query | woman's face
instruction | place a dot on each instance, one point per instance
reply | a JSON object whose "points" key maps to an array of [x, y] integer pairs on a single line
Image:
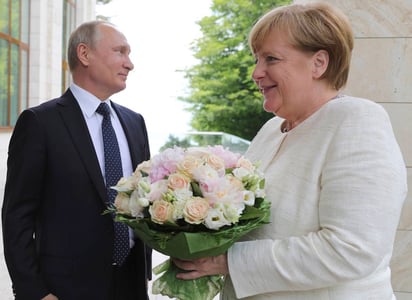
{"points": [[283, 75]]}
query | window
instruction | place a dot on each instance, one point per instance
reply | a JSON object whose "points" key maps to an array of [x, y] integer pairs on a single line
{"points": [[14, 54], [69, 8]]}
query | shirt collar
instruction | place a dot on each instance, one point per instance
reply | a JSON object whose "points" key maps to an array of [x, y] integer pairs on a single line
{"points": [[87, 101]]}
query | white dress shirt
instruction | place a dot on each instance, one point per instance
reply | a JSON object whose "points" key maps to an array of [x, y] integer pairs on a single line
{"points": [[88, 104]]}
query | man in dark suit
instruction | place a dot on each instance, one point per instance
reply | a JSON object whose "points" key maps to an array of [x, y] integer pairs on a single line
{"points": [[58, 244]]}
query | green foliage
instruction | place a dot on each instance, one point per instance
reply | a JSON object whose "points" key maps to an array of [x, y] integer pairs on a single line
{"points": [[175, 141], [103, 1], [222, 95], [192, 140]]}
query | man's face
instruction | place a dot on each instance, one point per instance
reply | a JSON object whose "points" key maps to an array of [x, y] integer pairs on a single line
{"points": [[109, 62]]}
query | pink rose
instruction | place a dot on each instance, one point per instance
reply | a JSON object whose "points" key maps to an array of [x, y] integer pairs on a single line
{"points": [[195, 210], [189, 164], [245, 163], [216, 163], [121, 202], [177, 181], [161, 211], [230, 158]]}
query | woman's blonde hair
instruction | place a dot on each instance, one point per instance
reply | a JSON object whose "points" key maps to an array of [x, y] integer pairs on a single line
{"points": [[310, 28]]}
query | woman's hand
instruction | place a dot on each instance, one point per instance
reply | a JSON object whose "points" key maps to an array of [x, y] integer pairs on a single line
{"points": [[214, 265]]}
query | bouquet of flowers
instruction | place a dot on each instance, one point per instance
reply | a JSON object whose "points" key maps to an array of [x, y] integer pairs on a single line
{"points": [[190, 203]]}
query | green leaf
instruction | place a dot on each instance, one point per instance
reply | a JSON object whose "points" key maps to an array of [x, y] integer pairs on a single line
{"points": [[196, 189]]}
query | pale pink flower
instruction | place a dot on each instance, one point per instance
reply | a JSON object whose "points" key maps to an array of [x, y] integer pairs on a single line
{"points": [[178, 181], [121, 202], [188, 164], [165, 163], [158, 172], [157, 189], [245, 163], [200, 185], [216, 163], [195, 210], [220, 190], [204, 173], [161, 211], [230, 158], [235, 182]]}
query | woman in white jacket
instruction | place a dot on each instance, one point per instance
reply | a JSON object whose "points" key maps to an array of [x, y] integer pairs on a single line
{"points": [[334, 172]]}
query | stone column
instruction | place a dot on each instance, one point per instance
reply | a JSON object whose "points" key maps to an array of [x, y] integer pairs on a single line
{"points": [[382, 71]]}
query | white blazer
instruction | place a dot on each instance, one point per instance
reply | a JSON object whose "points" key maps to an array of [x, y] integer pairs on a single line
{"points": [[337, 183]]}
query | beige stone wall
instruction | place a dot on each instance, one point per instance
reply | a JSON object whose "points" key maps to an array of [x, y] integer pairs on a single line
{"points": [[382, 71]]}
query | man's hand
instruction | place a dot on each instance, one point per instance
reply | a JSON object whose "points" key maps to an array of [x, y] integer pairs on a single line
{"points": [[214, 265]]}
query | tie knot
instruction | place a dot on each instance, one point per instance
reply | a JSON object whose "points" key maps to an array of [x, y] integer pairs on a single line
{"points": [[103, 109]]}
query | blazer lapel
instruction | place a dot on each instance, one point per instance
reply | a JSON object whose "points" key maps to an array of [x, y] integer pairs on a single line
{"points": [[76, 125]]}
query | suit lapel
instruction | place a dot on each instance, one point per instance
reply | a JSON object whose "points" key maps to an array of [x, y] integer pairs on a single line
{"points": [[128, 128], [76, 125]]}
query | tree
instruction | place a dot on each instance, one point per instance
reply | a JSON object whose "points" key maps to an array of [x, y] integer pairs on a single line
{"points": [[222, 95], [175, 141], [103, 1]]}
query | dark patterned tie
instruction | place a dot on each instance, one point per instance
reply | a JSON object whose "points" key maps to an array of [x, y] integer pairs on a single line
{"points": [[113, 172]]}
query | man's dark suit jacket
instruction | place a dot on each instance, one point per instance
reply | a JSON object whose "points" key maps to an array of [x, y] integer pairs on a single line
{"points": [[55, 192]]}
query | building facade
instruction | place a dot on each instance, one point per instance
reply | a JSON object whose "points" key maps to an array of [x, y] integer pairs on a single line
{"points": [[33, 66]]}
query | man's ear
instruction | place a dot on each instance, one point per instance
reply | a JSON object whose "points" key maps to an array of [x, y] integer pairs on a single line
{"points": [[320, 63], [83, 54]]}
